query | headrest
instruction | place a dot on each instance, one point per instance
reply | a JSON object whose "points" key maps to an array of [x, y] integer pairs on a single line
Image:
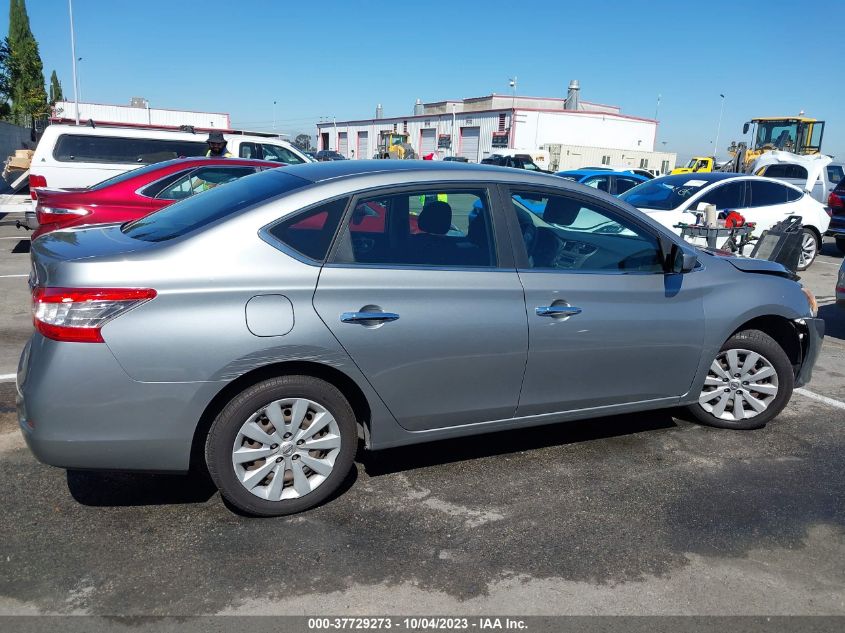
{"points": [[562, 211], [436, 218]]}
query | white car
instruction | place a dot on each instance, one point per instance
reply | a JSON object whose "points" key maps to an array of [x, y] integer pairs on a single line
{"points": [[672, 200], [70, 156]]}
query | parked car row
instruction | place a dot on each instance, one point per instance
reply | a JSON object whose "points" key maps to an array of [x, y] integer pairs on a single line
{"points": [[70, 156], [258, 329], [672, 200]]}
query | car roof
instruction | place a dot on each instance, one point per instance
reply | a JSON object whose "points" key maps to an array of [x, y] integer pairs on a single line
{"points": [[707, 176], [321, 172], [214, 160], [597, 172]]}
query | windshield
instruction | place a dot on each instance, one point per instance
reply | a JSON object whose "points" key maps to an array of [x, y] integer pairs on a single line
{"points": [[776, 135], [132, 173], [199, 210], [665, 193]]}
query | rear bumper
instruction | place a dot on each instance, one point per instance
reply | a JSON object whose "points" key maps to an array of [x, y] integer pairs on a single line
{"points": [[77, 408], [811, 345], [837, 226]]}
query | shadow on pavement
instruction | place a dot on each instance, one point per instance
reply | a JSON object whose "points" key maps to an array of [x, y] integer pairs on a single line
{"points": [[137, 489], [503, 442]]}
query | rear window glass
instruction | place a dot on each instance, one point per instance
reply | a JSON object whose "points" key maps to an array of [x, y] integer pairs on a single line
{"points": [[311, 232], [197, 211], [132, 173], [79, 148]]}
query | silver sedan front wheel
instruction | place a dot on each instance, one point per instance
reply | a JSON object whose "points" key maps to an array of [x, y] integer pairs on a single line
{"points": [[748, 383], [286, 449], [740, 385]]}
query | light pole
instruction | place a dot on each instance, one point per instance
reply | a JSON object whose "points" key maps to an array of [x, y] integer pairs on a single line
{"points": [[73, 53], [79, 77], [656, 110], [719, 126], [274, 115]]}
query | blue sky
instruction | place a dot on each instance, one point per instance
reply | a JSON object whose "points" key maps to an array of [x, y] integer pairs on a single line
{"points": [[333, 58]]}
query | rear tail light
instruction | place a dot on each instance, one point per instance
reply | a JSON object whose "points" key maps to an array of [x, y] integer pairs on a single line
{"points": [[835, 202], [78, 314], [58, 215], [36, 181]]}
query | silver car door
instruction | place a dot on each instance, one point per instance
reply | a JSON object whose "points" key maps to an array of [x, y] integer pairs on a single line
{"points": [[606, 325], [418, 296]]}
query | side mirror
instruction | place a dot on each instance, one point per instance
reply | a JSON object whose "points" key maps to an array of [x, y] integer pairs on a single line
{"points": [[679, 260], [745, 127]]}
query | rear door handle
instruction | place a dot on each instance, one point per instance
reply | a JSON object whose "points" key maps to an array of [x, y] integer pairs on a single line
{"points": [[368, 317], [557, 311]]}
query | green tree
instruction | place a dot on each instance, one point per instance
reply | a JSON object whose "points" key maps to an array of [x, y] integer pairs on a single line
{"points": [[29, 98], [5, 78], [55, 89], [302, 141]]}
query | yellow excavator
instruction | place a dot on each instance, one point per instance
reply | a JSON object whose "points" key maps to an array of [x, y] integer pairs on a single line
{"points": [[799, 135]]}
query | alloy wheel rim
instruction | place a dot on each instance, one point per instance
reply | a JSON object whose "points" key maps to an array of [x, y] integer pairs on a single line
{"points": [[808, 250], [286, 449], [740, 385]]}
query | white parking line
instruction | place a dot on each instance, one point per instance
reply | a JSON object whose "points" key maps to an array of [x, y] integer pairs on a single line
{"points": [[828, 401], [9, 276], [23, 237], [7, 377]]}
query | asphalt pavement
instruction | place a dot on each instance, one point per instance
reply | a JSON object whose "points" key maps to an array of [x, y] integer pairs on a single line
{"points": [[636, 514]]}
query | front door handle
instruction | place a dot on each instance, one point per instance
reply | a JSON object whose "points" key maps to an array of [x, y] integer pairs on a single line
{"points": [[368, 317], [557, 311]]}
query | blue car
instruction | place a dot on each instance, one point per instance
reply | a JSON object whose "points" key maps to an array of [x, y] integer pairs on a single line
{"points": [[613, 182]]}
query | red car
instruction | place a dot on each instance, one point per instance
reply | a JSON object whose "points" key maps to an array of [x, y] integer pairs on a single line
{"points": [[137, 193]]}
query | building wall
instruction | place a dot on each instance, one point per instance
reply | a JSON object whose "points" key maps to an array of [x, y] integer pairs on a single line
{"points": [[534, 129], [487, 122], [564, 157], [66, 110]]}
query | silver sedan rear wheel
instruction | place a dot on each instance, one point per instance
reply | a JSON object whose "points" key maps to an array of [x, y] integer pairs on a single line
{"points": [[286, 449], [740, 385]]}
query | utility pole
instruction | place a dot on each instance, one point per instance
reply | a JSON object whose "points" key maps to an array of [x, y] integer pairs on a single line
{"points": [[73, 53], [274, 115], [719, 126], [656, 110]]}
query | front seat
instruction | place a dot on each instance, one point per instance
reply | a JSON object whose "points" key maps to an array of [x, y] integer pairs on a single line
{"points": [[433, 246]]}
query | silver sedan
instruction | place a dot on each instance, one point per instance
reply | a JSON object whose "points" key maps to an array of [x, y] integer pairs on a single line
{"points": [[260, 329]]}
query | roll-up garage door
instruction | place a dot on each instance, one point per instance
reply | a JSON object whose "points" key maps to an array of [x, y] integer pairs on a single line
{"points": [[428, 142], [469, 143], [363, 145], [343, 144]]}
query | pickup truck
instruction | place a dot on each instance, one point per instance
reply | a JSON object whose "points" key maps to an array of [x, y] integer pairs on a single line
{"points": [[696, 164]]}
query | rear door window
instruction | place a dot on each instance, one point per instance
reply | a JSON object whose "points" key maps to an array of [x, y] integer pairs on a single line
{"points": [[428, 227], [726, 196], [79, 148], [766, 194], [310, 233], [202, 179]]}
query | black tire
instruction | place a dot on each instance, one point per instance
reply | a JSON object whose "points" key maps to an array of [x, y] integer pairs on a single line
{"points": [[840, 244], [763, 344], [808, 232], [227, 425]]}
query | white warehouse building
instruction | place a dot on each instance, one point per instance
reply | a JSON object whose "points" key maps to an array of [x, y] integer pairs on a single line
{"points": [[573, 133]]}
